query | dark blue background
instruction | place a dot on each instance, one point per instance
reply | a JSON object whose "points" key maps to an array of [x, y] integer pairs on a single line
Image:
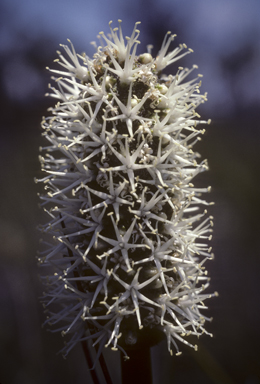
{"points": [[225, 36]]}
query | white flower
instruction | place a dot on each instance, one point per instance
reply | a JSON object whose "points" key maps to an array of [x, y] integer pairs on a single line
{"points": [[128, 253]]}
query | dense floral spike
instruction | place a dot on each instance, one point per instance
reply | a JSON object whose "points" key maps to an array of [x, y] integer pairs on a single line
{"points": [[128, 252]]}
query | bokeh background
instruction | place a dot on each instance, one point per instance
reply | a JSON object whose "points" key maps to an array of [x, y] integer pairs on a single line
{"points": [[225, 37]]}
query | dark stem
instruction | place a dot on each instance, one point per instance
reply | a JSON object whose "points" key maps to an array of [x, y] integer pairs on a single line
{"points": [[138, 369], [89, 362], [104, 368], [102, 363]]}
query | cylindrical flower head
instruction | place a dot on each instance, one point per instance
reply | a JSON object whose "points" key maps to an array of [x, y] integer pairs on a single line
{"points": [[130, 238]]}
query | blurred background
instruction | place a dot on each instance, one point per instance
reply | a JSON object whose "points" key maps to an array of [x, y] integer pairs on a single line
{"points": [[225, 37]]}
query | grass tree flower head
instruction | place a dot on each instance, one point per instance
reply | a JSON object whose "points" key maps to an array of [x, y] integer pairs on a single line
{"points": [[127, 237]]}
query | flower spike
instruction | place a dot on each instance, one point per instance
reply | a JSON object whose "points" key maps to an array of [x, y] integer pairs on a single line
{"points": [[129, 231]]}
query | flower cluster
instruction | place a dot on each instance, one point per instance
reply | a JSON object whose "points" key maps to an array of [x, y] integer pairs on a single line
{"points": [[130, 238]]}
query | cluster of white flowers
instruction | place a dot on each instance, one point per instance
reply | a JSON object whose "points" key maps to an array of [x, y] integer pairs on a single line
{"points": [[128, 254]]}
